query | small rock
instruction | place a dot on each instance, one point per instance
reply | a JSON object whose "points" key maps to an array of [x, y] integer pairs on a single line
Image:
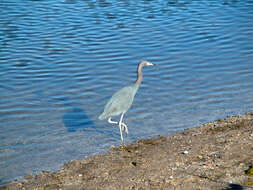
{"points": [[112, 147], [185, 152], [200, 157], [169, 180], [249, 171], [80, 175], [210, 166]]}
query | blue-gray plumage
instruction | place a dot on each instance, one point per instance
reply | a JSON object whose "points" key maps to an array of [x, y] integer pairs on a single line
{"points": [[122, 100]]}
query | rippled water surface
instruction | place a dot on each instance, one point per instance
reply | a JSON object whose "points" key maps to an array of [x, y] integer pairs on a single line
{"points": [[60, 61]]}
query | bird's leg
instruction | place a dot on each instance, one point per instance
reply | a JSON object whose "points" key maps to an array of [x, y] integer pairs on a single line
{"points": [[120, 123], [115, 122], [125, 127]]}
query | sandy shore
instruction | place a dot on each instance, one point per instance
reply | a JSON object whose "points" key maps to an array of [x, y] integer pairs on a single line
{"points": [[216, 155]]}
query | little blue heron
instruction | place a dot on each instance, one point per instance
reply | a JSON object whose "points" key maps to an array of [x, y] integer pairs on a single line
{"points": [[122, 100]]}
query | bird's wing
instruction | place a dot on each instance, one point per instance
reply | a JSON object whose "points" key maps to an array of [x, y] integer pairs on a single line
{"points": [[120, 101]]}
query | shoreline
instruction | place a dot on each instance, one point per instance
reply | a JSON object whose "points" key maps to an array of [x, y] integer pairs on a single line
{"points": [[215, 155]]}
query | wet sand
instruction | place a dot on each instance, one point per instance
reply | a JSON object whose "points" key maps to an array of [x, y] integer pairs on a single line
{"points": [[216, 155]]}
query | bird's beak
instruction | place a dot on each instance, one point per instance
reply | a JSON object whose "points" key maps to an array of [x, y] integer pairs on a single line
{"points": [[150, 64]]}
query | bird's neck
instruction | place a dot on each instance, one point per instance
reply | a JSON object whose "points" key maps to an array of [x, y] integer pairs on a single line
{"points": [[139, 75]]}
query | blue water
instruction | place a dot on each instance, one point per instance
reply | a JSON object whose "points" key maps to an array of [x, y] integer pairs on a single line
{"points": [[60, 61]]}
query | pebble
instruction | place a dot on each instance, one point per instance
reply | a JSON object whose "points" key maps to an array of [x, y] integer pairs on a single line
{"points": [[112, 147], [200, 157], [185, 152], [80, 175], [168, 180]]}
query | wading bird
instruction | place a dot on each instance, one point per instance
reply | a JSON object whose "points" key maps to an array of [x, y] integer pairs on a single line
{"points": [[122, 100]]}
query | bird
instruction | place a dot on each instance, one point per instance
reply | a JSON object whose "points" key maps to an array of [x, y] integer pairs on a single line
{"points": [[122, 100]]}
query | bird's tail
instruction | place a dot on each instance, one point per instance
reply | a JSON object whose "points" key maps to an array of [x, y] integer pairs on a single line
{"points": [[102, 116]]}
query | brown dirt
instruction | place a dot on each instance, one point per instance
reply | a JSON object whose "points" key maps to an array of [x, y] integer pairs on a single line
{"points": [[216, 155]]}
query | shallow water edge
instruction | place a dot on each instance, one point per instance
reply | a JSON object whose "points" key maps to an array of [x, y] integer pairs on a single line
{"points": [[215, 155]]}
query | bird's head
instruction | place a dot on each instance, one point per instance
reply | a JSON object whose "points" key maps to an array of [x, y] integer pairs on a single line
{"points": [[146, 63]]}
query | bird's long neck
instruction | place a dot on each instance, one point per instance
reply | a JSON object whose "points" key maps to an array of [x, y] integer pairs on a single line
{"points": [[139, 75]]}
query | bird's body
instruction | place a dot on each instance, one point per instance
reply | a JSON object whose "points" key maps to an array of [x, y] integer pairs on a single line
{"points": [[122, 100]]}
